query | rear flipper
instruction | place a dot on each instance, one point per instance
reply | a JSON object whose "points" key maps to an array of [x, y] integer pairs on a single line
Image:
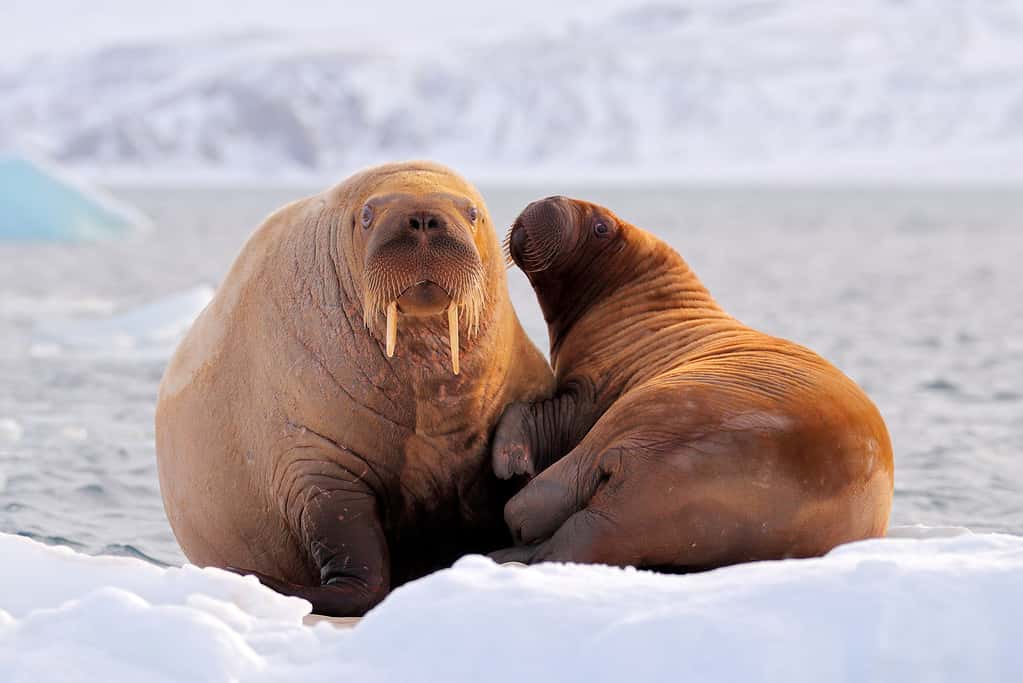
{"points": [[345, 539], [625, 505], [558, 518]]}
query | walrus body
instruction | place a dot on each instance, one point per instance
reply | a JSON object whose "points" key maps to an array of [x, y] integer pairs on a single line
{"points": [[295, 442], [678, 437]]}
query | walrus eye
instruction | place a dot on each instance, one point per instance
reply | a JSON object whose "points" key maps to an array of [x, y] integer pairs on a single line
{"points": [[601, 229], [473, 214], [367, 215]]}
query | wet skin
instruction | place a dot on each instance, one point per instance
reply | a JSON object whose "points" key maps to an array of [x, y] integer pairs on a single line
{"points": [[678, 438]]}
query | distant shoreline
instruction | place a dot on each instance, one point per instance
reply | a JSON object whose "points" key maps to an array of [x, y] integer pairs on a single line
{"points": [[933, 173]]}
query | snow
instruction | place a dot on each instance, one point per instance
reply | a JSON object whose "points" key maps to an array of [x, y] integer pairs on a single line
{"points": [[41, 202], [925, 604], [16, 305], [152, 329], [918, 90], [11, 431], [31, 29]]}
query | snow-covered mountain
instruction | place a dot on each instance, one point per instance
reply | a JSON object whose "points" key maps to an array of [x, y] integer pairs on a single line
{"points": [[912, 85]]}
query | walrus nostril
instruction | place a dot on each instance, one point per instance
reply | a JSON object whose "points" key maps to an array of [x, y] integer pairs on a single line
{"points": [[426, 221]]}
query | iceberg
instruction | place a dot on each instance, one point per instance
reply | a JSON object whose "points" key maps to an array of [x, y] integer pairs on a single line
{"points": [[925, 604], [41, 202]]}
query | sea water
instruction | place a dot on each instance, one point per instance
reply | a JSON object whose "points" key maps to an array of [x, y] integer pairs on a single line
{"points": [[914, 293]]}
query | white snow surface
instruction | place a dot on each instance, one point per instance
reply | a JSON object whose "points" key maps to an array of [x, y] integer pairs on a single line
{"points": [[926, 604], [11, 431], [914, 89]]}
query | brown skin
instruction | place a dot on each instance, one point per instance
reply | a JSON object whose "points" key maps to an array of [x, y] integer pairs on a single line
{"points": [[289, 444], [678, 438]]}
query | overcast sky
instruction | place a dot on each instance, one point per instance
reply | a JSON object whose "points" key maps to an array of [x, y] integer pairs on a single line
{"points": [[30, 27]]}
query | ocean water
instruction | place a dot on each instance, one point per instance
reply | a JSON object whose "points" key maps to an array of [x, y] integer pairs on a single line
{"points": [[913, 293]]}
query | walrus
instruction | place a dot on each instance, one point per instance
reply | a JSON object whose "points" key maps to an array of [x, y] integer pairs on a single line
{"points": [[325, 424], [677, 438]]}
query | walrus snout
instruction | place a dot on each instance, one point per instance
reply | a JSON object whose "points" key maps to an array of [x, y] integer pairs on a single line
{"points": [[418, 221], [422, 261], [540, 233]]}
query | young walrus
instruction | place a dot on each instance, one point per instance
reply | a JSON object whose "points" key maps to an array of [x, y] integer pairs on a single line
{"points": [[326, 423], [678, 437]]}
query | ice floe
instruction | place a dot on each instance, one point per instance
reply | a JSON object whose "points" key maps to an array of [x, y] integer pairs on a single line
{"points": [[925, 604], [151, 329], [42, 202]]}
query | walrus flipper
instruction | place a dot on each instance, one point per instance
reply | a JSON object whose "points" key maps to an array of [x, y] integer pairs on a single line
{"points": [[344, 538], [552, 518], [533, 436]]}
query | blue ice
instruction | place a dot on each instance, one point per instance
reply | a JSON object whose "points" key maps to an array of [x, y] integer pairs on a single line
{"points": [[38, 202]]}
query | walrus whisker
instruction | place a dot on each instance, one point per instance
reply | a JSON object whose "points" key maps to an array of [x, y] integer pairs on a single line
{"points": [[538, 255], [464, 286], [506, 249]]}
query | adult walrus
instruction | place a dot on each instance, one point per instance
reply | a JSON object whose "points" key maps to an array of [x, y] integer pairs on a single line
{"points": [[690, 441], [326, 423]]}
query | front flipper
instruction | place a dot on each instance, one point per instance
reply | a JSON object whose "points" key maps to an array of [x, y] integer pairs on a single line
{"points": [[328, 600], [342, 533], [531, 437], [553, 519]]}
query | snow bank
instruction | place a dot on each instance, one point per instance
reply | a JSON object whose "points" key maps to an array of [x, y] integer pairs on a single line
{"points": [[924, 606], [150, 329]]}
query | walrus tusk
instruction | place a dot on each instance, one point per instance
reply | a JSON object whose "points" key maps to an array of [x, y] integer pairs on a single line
{"points": [[453, 331], [392, 327]]}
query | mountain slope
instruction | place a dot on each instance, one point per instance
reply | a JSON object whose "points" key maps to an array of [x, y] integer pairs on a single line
{"points": [[677, 88]]}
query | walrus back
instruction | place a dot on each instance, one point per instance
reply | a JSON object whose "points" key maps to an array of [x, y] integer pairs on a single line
{"points": [[207, 418], [845, 446]]}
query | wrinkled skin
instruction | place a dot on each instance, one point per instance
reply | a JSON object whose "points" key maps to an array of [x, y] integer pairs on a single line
{"points": [[292, 447], [678, 438]]}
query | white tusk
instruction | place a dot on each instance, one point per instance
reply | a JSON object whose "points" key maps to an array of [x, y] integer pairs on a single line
{"points": [[453, 331], [392, 327]]}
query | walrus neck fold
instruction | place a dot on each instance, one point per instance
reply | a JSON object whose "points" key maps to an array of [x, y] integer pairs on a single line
{"points": [[609, 325], [595, 289]]}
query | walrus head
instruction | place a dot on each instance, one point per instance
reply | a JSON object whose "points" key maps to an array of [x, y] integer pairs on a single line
{"points": [[584, 262], [552, 233], [571, 251], [423, 235]]}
